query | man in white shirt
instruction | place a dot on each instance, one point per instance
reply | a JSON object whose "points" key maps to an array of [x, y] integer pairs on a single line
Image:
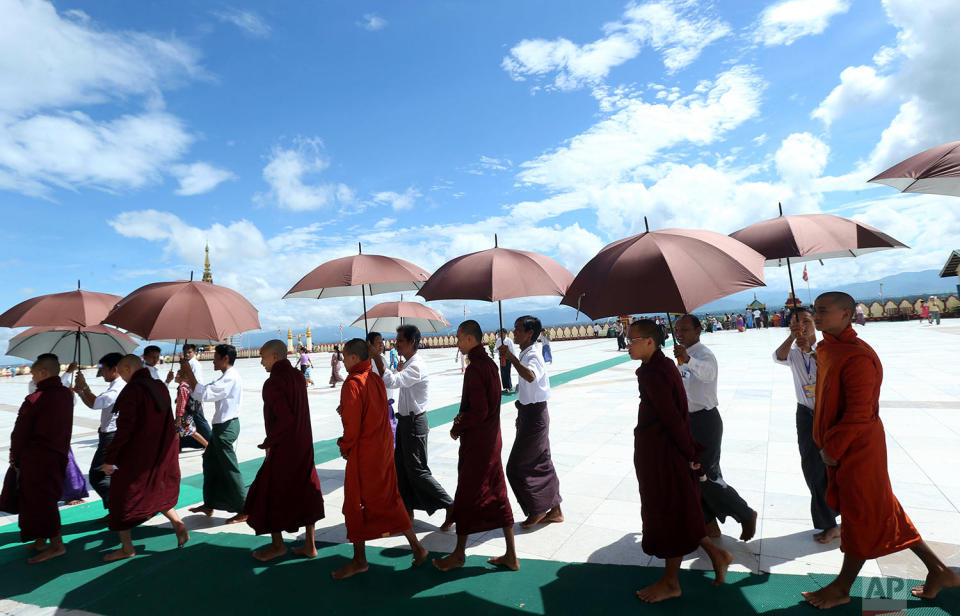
{"points": [[418, 488], [193, 410], [504, 341], [99, 480], [530, 468], [151, 356], [222, 482], [698, 367], [757, 323], [797, 351]]}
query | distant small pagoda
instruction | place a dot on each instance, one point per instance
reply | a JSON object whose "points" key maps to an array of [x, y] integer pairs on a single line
{"points": [[756, 304], [207, 276]]}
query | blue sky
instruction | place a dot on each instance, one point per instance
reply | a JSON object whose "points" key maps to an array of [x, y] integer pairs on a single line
{"points": [[283, 133]]}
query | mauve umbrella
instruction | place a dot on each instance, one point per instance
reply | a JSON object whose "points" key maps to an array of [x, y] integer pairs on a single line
{"points": [[496, 274], [812, 237], [95, 342], [184, 310], [390, 315], [935, 171], [361, 275], [671, 270]]}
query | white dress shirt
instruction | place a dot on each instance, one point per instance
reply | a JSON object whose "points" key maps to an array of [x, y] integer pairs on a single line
{"points": [[153, 372], [414, 385], [195, 366], [105, 401], [507, 343], [537, 390], [391, 392], [804, 368], [700, 378], [226, 394]]}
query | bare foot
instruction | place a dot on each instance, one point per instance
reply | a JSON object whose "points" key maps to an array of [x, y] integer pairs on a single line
{"points": [[749, 528], [305, 551], [661, 591], [503, 561], [713, 530], [37, 546], [207, 511], [826, 536], [420, 556], [118, 555], [237, 519], [269, 552], [182, 535], [451, 561], [827, 597], [720, 567], [554, 516], [936, 581], [533, 520], [447, 521], [350, 569], [51, 552]]}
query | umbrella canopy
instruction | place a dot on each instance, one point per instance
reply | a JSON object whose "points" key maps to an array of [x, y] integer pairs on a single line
{"points": [[71, 309], [359, 275], [935, 171], [184, 310], [388, 316], [810, 237], [95, 342], [671, 270], [496, 274]]}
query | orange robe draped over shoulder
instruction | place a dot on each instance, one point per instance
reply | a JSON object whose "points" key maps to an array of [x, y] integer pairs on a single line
{"points": [[372, 507], [847, 427]]}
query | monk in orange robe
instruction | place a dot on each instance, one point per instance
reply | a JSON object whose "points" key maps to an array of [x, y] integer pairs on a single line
{"points": [[285, 495], [848, 430], [372, 506], [142, 459]]}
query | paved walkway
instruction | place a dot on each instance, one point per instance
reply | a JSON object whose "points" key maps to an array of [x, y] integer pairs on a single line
{"points": [[593, 413]]}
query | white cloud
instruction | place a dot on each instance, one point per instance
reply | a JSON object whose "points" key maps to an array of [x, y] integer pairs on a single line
{"points": [[46, 140], [801, 159], [372, 22], [385, 223], [859, 85], [669, 26], [620, 147], [398, 201], [784, 22], [248, 21], [288, 169], [199, 178]]}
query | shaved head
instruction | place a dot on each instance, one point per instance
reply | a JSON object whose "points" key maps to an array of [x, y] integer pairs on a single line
{"points": [[839, 299], [130, 361], [48, 363], [274, 346]]}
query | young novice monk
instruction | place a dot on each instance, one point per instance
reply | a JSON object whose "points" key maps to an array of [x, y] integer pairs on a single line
{"points": [[848, 430], [666, 458], [481, 502], [372, 506]]}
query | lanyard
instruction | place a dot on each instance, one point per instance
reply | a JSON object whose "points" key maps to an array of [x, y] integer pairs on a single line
{"points": [[807, 363]]}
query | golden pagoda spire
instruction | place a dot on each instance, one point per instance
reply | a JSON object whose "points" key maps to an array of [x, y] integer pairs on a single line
{"points": [[207, 276]]}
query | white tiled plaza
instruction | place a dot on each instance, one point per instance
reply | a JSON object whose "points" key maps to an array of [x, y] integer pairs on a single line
{"points": [[592, 420]]}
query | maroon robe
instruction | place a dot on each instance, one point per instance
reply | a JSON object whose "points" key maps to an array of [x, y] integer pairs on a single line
{"points": [[285, 496], [481, 501], [38, 449], [663, 449], [144, 450], [372, 507]]}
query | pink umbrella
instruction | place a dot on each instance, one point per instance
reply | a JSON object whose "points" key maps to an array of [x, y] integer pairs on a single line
{"points": [[72, 309], [496, 274], [671, 270], [390, 315], [812, 237], [361, 275], [184, 310], [935, 171]]}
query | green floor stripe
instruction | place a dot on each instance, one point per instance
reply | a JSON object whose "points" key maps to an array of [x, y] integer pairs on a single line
{"points": [[215, 574], [324, 451]]}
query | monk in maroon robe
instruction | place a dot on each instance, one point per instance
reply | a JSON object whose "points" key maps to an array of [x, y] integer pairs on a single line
{"points": [[142, 459], [285, 496], [372, 506], [38, 460], [849, 432], [666, 460], [481, 501]]}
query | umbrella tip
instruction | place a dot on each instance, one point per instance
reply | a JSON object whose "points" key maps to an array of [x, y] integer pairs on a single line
{"points": [[645, 225], [495, 244], [191, 275], [780, 206], [359, 248]]}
